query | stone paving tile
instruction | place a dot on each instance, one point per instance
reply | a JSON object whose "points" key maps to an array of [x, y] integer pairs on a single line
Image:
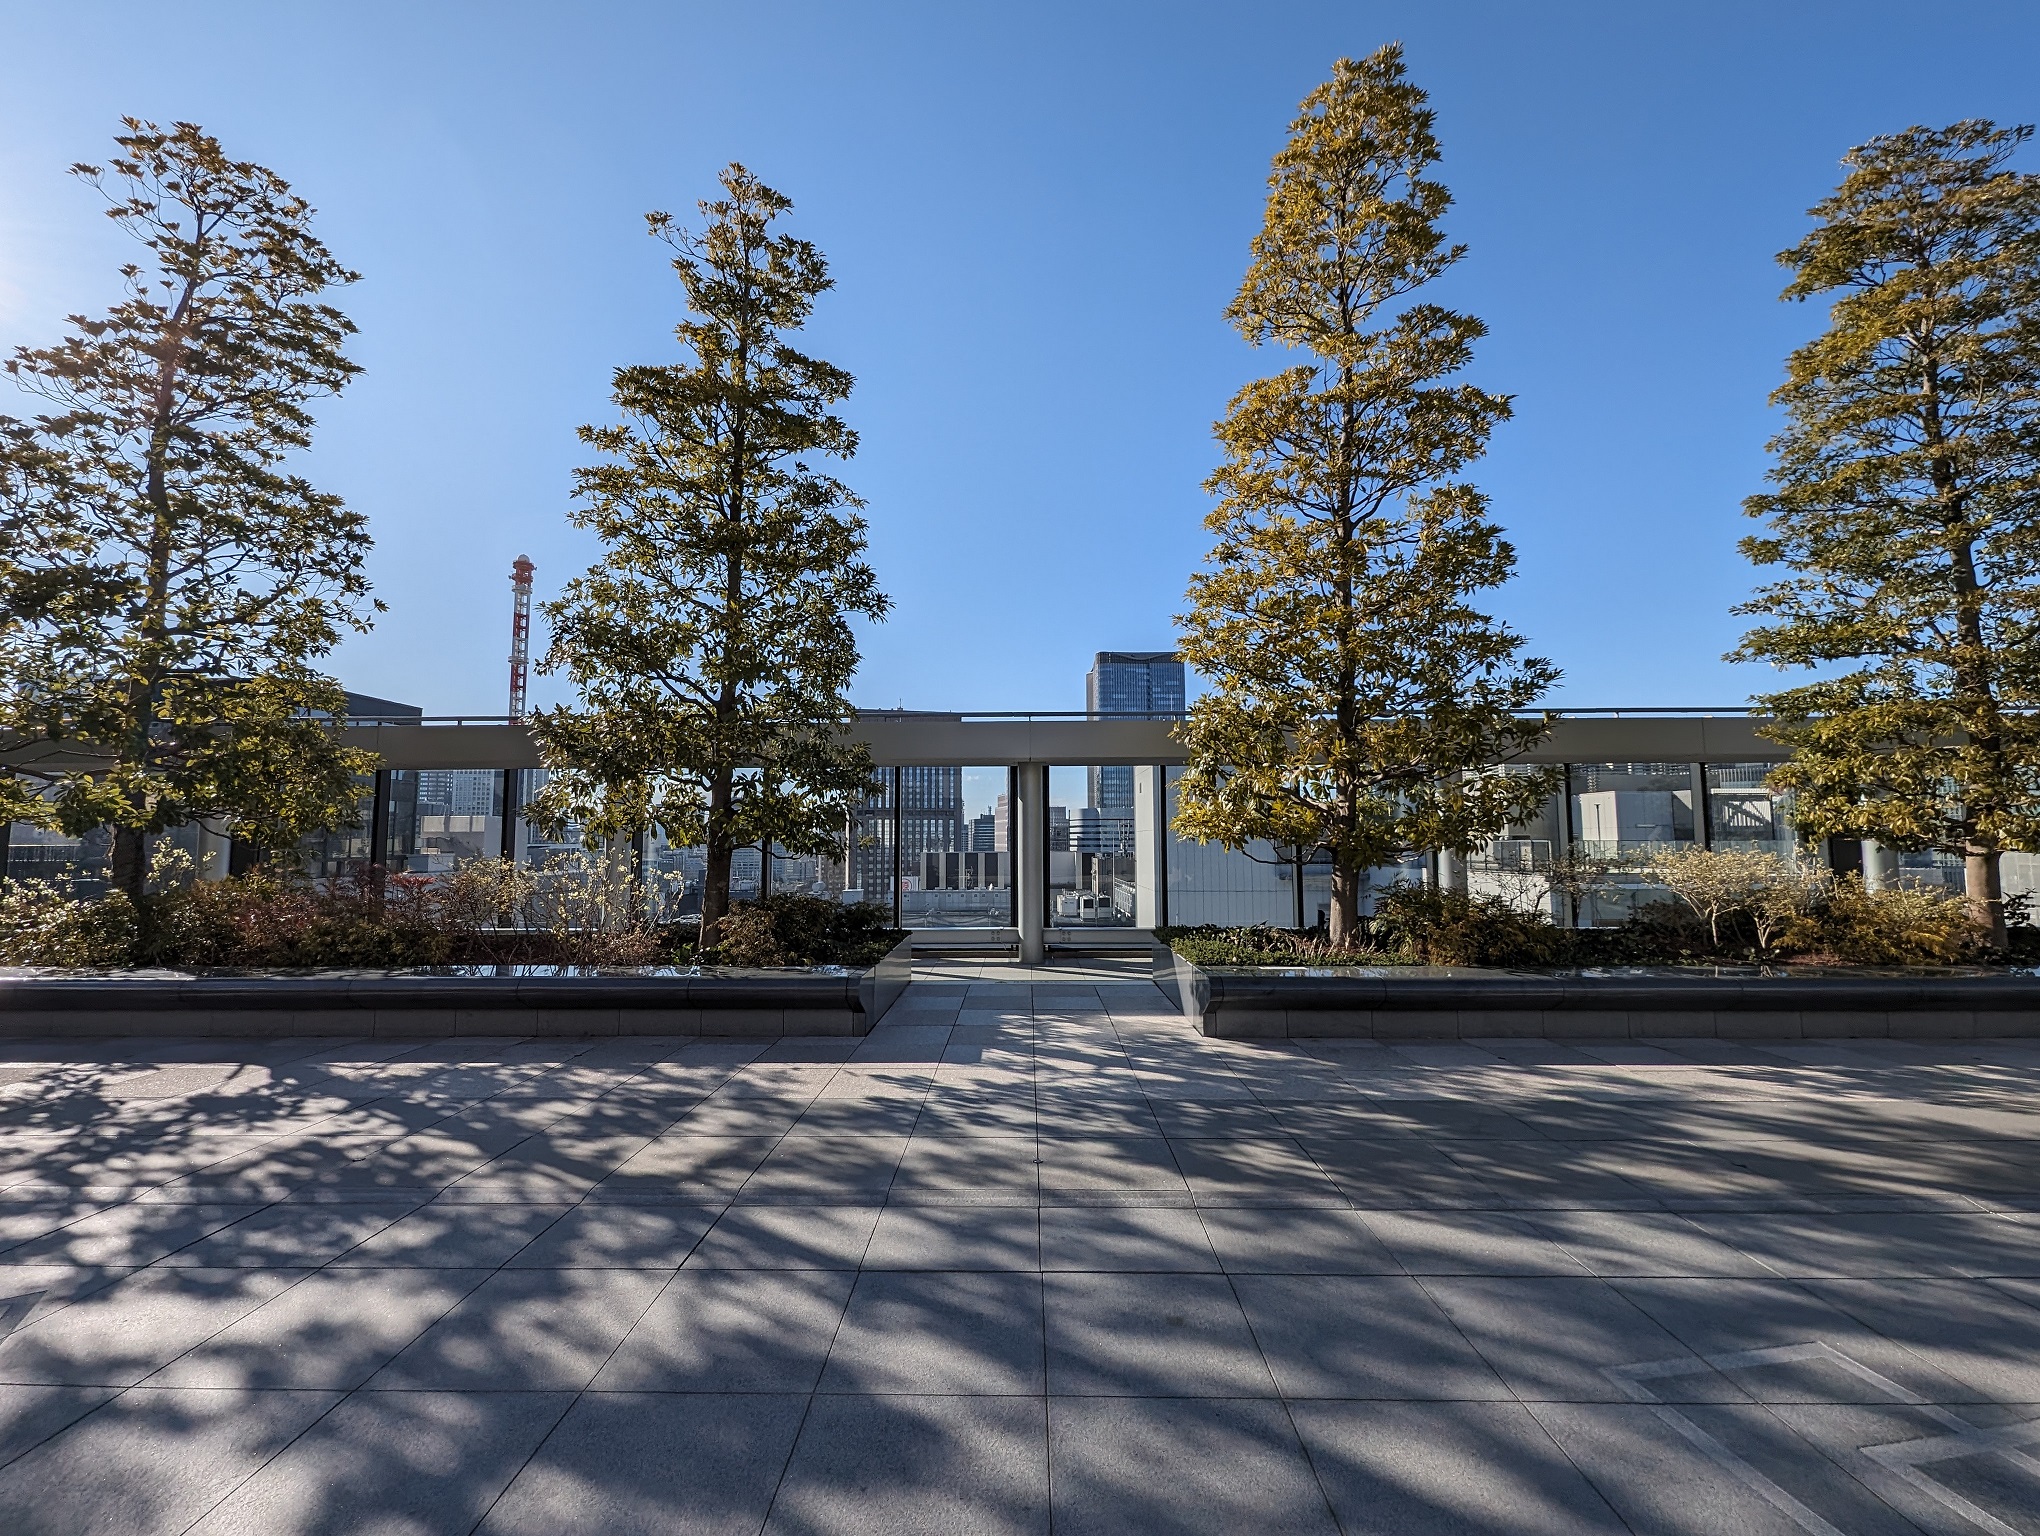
{"points": [[392, 1461], [151, 1461], [939, 1333], [530, 1330], [1150, 1335], [731, 1331], [1180, 1465], [661, 1464], [1030, 1236], [917, 1466], [1445, 1469]]}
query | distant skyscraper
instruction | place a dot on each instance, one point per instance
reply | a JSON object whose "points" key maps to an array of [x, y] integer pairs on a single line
{"points": [[1128, 683]]}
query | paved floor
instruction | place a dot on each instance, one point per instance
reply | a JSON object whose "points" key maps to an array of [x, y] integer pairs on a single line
{"points": [[1029, 1257]]}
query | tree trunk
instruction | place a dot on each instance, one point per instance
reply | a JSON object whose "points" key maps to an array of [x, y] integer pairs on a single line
{"points": [[1983, 883], [128, 864], [715, 874], [1345, 916]]}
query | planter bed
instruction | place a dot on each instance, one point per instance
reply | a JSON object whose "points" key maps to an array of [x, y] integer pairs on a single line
{"points": [[824, 1001], [1430, 1004]]}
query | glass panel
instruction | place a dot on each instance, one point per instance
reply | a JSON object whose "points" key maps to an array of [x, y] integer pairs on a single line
{"points": [[459, 818], [36, 853], [868, 872], [1631, 810], [1211, 884], [956, 863], [1743, 813], [1627, 814], [1516, 866], [1096, 840]]}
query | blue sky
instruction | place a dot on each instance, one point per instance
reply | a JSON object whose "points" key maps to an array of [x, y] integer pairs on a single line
{"points": [[1035, 215]]}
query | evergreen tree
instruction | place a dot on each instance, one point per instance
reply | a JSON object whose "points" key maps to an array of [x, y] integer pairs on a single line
{"points": [[712, 646], [1906, 508], [1355, 692], [166, 582]]}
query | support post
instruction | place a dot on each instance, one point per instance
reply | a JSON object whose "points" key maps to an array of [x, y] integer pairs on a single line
{"points": [[898, 907], [512, 798], [1030, 859], [1150, 826], [379, 834]]}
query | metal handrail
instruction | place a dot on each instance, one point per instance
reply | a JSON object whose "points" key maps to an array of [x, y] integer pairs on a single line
{"points": [[1675, 711]]}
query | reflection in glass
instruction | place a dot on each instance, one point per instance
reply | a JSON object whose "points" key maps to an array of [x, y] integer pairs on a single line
{"points": [[956, 865], [1094, 847], [1743, 813]]}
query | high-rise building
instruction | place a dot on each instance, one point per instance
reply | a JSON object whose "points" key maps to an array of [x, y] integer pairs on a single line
{"points": [[1128, 683]]}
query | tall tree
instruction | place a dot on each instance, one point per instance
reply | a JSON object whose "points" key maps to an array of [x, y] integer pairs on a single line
{"points": [[712, 646], [1356, 694], [166, 581], [1906, 508]]}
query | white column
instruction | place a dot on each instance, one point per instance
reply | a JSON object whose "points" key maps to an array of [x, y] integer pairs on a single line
{"points": [[1030, 859], [1880, 866], [1150, 826], [215, 848]]}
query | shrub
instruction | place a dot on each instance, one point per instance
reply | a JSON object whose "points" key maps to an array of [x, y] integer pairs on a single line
{"points": [[803, 930], [1433, 926], [1766, 891], [1899, 925], [1211, 944], [42, 923]]}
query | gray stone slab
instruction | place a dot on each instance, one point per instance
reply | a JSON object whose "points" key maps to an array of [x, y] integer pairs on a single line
{"points": [[681, 1160], [1121, 1163], [150, 1461], [449, 1235], [619, 1236], [939, 1333], [1889, 1245], [653, 1464], [1658, 1479], [128, 1235], [1122, 1238], [1361, 1336], [1557, 1339], [1979, 1335], [955, 1237], [1738, 1317], [731, 1331], [916, 1466], [29, 1415], [392, 1461], [1291, 1241], [1610, 1243], [936, 1162], [530, 1330], [1184, 1466], [334, 1329], [1447, 1469], [1150, 1335], [292, 1235], [787, 1237], [1469, 1243], [119, 1334]]}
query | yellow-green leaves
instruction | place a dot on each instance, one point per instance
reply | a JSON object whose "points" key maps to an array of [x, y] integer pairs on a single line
{"points": [[166, 578], [1355, 690], [712, 647], [1905, 506]]}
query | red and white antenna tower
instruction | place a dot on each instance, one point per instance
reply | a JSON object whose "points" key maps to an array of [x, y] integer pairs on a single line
{"points": [[520, 632]]}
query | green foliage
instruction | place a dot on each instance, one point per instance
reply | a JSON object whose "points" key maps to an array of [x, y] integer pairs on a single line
{"points": [[1905, 509], [793, 929], [712, 646], [43, 924], [1899, 925], [1434, 926], [1355, 690], [1260, 945], [166, 579]]}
